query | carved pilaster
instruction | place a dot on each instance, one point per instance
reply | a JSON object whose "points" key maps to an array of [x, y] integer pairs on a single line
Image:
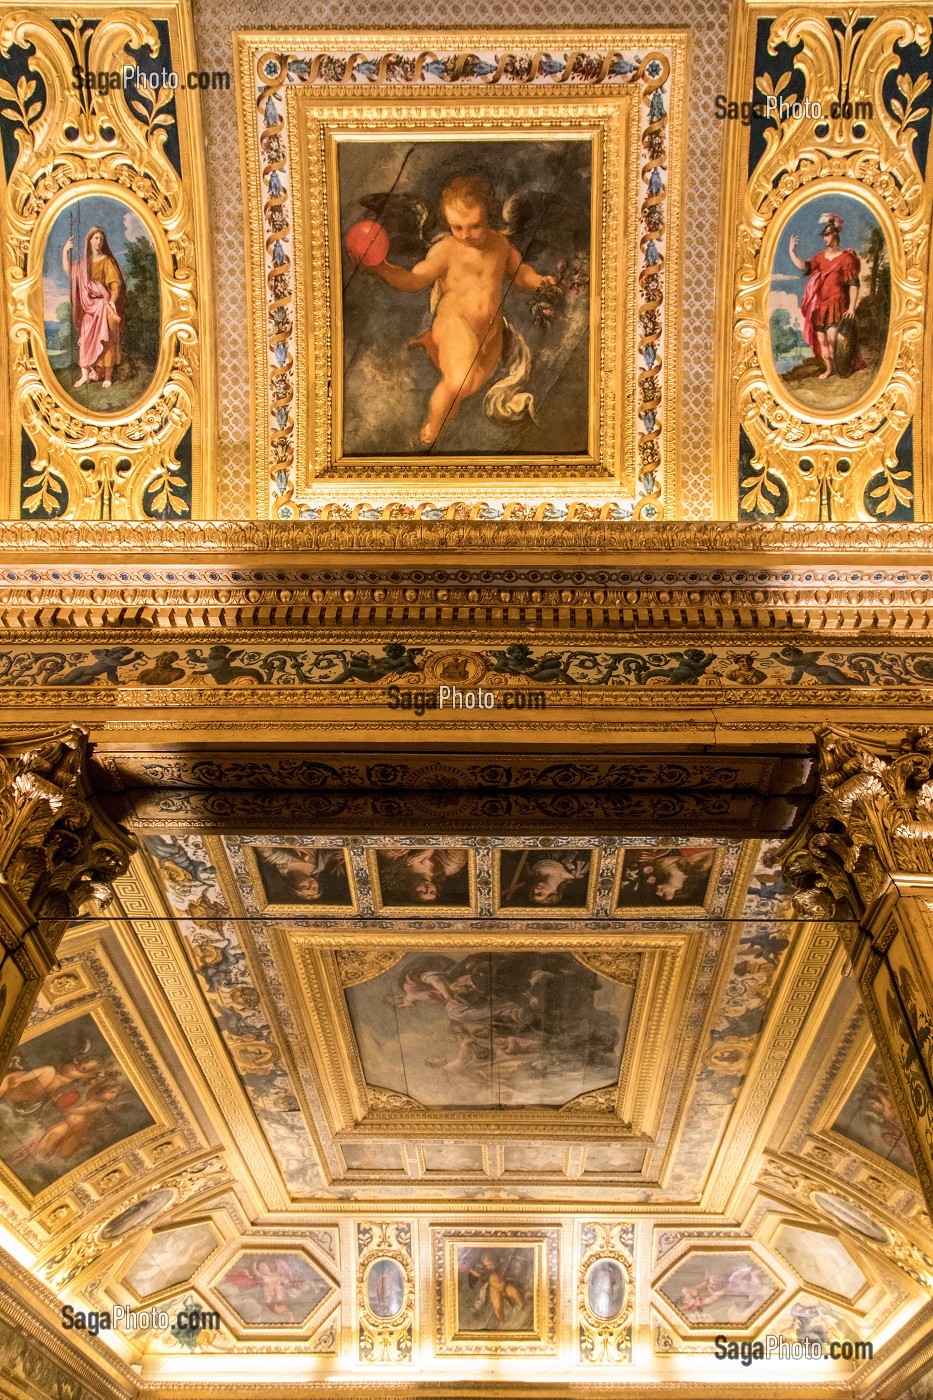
{"points": [[864, 857], [57, 852]]}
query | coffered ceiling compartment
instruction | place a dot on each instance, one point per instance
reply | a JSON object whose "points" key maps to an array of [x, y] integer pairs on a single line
{"points": [[565, 1099]]}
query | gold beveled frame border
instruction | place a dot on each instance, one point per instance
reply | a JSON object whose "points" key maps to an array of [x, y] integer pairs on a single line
{"points": [[547, 911], [447, 911], [608, 456], [835, 1092], [240, 1329], [449, 1339], [629, 1110], [711, 1245], [165, 1292], [676, 911], [264, 60], [109, 1027], [306, 911]]}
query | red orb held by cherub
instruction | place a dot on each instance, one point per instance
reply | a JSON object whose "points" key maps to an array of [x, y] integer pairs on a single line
{"points": [[368, 243]]}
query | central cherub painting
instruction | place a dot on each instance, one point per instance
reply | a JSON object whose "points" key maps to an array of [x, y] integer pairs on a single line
{"points": [[465, 297]]}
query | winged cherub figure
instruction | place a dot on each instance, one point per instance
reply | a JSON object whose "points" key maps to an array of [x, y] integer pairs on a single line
{"points": [[469, 269]]}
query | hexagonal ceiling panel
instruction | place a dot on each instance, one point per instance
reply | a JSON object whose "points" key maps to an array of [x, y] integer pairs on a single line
{"points": [[272, 1288], [712, 1288]]}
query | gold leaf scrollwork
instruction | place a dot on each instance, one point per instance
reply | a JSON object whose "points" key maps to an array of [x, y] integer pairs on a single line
{"points": [[75, 142], [840, 464], [606, 1339], [617, 966], [385, 1338], [357, 965]]}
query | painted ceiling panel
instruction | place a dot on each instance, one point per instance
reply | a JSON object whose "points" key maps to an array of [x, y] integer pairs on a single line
{"points": [[627, 1008], [494, 1030]]}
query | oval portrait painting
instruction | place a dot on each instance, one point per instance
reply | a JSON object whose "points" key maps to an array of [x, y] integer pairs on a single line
{"points": [[829, 303], [385, 1288], [101, 304], [139, 1213], [850, 1215], [605, 1289]]}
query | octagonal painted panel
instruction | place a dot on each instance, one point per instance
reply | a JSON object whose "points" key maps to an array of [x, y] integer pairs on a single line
{"points": [[820, 1260], [273, 1288], [714, 1288], [171, 1257]]}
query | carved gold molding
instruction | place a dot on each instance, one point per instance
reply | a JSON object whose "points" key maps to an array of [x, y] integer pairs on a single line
{"points": [[139, 146], [826, 128], [385, 1332], [579, 542]]}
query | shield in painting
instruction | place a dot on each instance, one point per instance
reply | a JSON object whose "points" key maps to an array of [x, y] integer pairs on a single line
{"points": [[846, 352]]}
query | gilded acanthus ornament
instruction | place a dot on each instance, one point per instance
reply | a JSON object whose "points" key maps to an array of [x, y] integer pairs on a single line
{"points": [[873, 817], [116, 411], [839, 131], [57, 851]]}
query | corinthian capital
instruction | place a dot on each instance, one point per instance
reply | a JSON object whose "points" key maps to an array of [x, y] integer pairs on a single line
{"points": [[872, 819], [57, 850]]}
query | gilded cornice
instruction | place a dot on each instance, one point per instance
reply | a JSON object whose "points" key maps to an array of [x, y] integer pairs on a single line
{"points": [[33, 1312], [636, 540], [601, 576]]}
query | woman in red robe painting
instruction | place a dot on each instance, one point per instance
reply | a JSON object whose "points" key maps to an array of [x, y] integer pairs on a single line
{"points": [[98, 306], [832, 291]]}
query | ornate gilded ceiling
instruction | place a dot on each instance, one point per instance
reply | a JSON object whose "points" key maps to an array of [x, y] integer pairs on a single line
{"points": [[437, 1046], [386, 1100]]}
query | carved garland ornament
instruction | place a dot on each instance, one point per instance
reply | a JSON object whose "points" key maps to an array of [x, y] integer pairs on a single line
{"points": [[814, 454]]}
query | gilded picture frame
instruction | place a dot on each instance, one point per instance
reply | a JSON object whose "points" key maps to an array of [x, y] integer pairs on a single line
{"points": [[326, 969], [879, 1139], [831, 142], [321, 906], [129, 1278], [495, 1291], [406, 905], [89, 1107], [661, 857], [506, 904], [306, 97], [115, 413], [234, 1286]]}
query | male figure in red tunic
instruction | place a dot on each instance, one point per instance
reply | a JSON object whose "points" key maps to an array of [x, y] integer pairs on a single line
{"points": [[832, 291]]}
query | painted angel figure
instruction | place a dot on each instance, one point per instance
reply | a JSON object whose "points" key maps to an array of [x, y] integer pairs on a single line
{"points": [[469, 268]]}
